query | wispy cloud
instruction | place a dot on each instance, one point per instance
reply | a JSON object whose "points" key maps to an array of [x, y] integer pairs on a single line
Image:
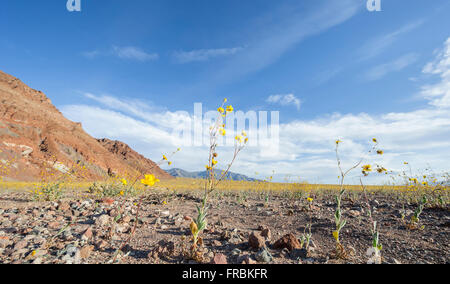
{"points": [[439, 94], [285, 100], [134, 53], [399, 64], [379, 44], [127, 53], [203, 54]]}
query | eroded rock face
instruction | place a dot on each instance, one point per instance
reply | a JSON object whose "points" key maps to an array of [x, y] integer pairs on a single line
{"points": [[132, 158], [34, 134]]}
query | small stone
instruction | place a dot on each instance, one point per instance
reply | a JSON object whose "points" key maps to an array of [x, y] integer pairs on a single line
{"points": [[217, 243], [236, 252], [87, 235], [288, 241], [73, 255], [101, 244], [85, 252], [220, 259], [264, 256], [37, 261], [53, 225], [63, 206], [354, 213], [36, 213], [103, 220], [256, 241]]}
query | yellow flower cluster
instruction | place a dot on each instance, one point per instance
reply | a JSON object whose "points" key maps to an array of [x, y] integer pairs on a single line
{"points": [[224, 111], [242, 138], [149, 180]]}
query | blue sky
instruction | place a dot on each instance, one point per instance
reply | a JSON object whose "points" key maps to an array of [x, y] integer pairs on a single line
{"points": [[331, 68]]}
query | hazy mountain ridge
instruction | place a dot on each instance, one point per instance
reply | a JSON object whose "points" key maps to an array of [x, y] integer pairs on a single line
{"points": [[204, 174]]}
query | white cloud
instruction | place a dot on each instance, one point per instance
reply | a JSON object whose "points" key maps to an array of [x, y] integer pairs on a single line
{"points": [[439, 93], [127, 52], [420, 137], [399, 64], [134, 53], [204, 54], [285, 100]]}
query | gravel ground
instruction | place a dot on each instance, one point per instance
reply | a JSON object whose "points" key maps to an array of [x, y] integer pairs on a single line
{"points": [[90, 230]]}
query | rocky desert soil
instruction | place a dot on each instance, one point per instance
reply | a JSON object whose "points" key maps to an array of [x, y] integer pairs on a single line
{"points": [[90, 230]]}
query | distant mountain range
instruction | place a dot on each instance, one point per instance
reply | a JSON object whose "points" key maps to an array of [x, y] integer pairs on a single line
{"points": [[204, 174]]}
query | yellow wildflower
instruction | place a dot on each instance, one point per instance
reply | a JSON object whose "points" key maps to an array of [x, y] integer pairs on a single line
{"points": [[149, 180], [380, 152], [221, 110], [230, 109], [367, 168], [310, 199], [124, 181], [375, 140], [222, 132]]}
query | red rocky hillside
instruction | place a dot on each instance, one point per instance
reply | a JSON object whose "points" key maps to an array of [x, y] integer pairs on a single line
{"points": [[35, 136]]}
